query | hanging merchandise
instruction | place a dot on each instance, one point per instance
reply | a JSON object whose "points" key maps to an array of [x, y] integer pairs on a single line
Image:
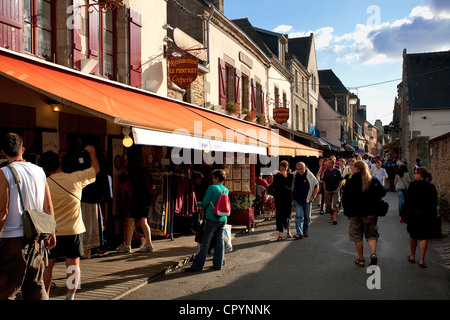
{"points": [[159, 206], [186, 202]]}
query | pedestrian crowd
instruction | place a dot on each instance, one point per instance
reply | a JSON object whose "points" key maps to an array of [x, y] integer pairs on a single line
{"points": [[357, 185]]}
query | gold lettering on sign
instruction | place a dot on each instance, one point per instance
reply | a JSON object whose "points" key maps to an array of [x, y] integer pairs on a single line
{"points": [[183, 70]]}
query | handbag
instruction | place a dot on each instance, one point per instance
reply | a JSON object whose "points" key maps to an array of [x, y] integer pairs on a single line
{"points": [[382, 207], [37, 225]]}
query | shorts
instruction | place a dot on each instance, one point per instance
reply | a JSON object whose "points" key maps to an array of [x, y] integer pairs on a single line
{"points": [[331, 201], [139, 211], [363, 226], [67, 246]]}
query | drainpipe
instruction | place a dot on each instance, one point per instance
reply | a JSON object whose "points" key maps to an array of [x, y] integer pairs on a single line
{"points": [[207, 33], [293, 116], [308, 108]]}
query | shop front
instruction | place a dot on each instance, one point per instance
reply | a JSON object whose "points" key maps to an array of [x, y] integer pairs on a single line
{"points": [[62, 110]]}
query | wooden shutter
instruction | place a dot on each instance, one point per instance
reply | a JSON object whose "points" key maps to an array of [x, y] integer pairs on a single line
{"points": [[253, 88], [11, 20], [135, 48], [222, 83], [93, 35], [77, 47], [263, 106], [237, 86]]}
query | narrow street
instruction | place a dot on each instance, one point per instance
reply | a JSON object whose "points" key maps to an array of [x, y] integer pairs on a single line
{"points": [[320, 267]]}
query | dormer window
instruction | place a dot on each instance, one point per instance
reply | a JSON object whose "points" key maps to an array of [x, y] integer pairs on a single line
{"points": [[282, 49]]}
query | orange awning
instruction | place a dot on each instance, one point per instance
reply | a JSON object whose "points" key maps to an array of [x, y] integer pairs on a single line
{"points": [[276, 144], [141, 109]]}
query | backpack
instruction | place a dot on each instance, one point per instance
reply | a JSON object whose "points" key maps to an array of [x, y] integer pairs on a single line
{"points": [[222, 208]]}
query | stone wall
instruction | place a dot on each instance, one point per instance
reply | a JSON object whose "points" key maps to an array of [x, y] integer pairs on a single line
{"points": [[439, 151], [418, 148]]}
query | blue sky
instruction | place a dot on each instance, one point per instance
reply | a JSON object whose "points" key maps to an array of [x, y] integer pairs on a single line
{"points": [[361, 41]]}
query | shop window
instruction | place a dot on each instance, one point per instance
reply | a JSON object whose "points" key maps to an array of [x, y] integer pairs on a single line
{"points": [[38, 20]]}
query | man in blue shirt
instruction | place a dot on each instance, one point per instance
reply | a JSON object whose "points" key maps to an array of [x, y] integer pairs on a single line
{"points": [[305, 188]]}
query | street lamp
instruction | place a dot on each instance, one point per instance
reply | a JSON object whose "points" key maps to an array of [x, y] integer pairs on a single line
{"points": [[127, 140]]}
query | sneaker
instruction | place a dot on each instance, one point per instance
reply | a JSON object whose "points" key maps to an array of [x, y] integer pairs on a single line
{"points": [[146, 248], [123, 248]]}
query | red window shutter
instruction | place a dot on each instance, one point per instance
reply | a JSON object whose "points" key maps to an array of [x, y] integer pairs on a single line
{"points": [[11, 20], [93, 35], [222, 83], [237, 86], [135, 49], [77, 47], [253, 85], [263, 106]]}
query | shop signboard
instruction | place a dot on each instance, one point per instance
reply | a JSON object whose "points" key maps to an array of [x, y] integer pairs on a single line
{"points": [[183, 70], [281, 115]]}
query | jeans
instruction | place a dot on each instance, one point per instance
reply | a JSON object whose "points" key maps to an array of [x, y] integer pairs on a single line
{"points": [[213, 232], [303, 217], [400, 200]]}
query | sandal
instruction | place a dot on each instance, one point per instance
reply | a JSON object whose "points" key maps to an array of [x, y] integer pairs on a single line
{"points": [[373, 260], [411, 259], [360, 262], [422, 265], [279, 238]]}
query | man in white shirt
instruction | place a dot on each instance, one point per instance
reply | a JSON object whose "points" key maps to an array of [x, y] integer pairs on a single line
{"points": [[15, 274], [380, 173]]}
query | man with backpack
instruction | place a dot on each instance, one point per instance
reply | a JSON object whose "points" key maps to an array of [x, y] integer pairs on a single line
{"points": [[217, 206]]}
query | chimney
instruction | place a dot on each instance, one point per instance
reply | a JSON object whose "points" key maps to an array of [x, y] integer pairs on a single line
{"points": [[219, 4]]}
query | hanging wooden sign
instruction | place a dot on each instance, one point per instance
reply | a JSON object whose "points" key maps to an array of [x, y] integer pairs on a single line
{"points": [[281, 115], [183, 70]]}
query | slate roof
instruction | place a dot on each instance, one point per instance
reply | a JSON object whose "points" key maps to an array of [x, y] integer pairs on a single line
{"points": [[248, 29], [328, 78], [301, 48], [428, 80]]}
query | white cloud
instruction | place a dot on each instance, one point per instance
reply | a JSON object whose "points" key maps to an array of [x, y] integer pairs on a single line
{"points": [[426, 29], [322, 37], [283, 29], [422, 12]]}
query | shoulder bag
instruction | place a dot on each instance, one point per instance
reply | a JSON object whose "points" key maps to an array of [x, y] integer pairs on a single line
{"points": [[37, 225]]}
